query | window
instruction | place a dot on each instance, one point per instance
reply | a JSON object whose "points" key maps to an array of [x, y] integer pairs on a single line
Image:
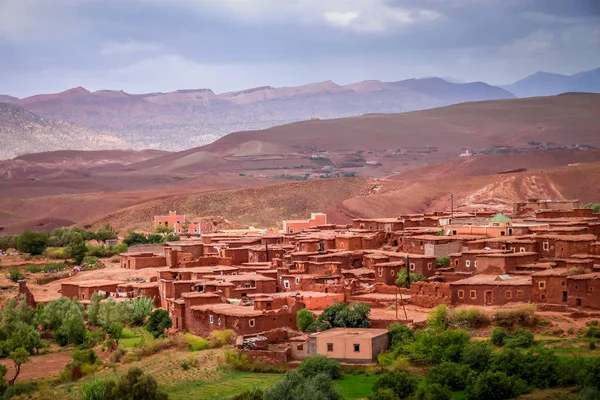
{"points": [[519, 294], [297, 280], [429, 266], [473, 294], [219, 321], [195, 230], [380, 270], [522, 250], [576, 287], [291, 230], [545, 246], [456, 262], [590, 289], [412, 266], [542, 284], [508, 294], [468, 263], [212, 319], [251, 322], [357, 348], [475, 263], [461, 294], [329, 347], [286, 284], [562, 284], [300, 347], [392, 272], [543, 296], [160, 222]]}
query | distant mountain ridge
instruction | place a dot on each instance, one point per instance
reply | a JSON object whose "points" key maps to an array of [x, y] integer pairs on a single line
{"points": [[194, 117], [548, 84]]}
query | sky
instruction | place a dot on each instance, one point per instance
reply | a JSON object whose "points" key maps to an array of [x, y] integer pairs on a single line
{"points": [[143, 46]]}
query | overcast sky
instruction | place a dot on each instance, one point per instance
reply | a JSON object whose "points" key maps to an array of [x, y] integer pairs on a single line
{"points": [[161, 45]]}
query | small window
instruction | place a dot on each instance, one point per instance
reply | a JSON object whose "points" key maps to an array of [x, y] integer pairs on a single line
{"points": [[286, 284], [475, 263], [522, 250], [429, 266], [590, 289], [545, 246], [542, 284], [251, 323], [468, 263], [576, 287], [562, 284], [392, 272], [508, 294], [219, 321], [300, 347], [160, 222], [380, 271], [412, 266], [297, 280], [461, 294], [519, 294], [291, 230], [543, 296], [357, 348], [329, 347], [212, 319], [473, 294]]}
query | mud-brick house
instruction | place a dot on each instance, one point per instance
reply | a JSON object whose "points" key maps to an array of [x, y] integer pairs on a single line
{"points": [[298, 225], [311, 282], [503, 263], [84, 290], [491, 290], [584, 290], [387, 272], [550, 286], [379, 224], [349, 345], [467, 260], [550, 246], [179, 309], [244, 320], [239, 286], [436, 246], [136, 261], [266, 253], [512, 244], [347, 259]]}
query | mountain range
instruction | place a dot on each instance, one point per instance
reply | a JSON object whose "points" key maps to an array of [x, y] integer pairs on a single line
{"points": [[190, 118]]}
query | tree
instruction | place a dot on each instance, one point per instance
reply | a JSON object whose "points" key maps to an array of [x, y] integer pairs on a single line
{"points": [[385, 394], [97, 390], [8, 242], [94, 309], [135, 385], [32, 242], [72, 329], [3, 383], [400, 334], [115, 330], [341, 315], [495, 386], [319, 364], [449, 374], [186, 229], [402, 384], [134, 238], [159, 321], [294, 386], [77, 248], [172, 238], [106, 233], [19, 357], [442, 262], [164, 229], [433, 391], [402, 278], [155, 238], [304, 320]]}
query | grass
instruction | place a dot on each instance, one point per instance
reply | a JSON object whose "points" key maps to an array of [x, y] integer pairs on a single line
{"points": [[132, 337], [229, 385], [356, 386]]}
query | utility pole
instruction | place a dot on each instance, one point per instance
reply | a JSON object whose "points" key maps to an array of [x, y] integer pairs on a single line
{"points": [[267, 251], [451, 207]]}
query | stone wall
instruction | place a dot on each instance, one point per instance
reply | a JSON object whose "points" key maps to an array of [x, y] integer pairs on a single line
{"points": [[426, 294]]}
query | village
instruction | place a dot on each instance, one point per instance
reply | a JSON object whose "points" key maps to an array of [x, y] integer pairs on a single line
{"points": [[254, 282]]}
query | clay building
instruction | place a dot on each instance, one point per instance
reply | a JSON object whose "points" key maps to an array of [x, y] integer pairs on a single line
{"points": [[583, 290], [170, 220], [432, 245], [503, 263], [513, 244], [379, 224], [349, 345], [298, 225], [491, 290], [550, 286], [467, 260], [535, 205], [135, 261], [83, 290]]}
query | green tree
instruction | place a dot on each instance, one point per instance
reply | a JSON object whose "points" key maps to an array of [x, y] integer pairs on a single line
{"points": [[442, 262], [449, 374], [495, 386], [402, 384], [319, 364], [3, 383], [402, 278], [164, 229], [135, 238], [115, 330], [172, 238], [438, 318], [19, 357], [106, 233], [98, 390], [341, 315], [135, 385], [385, 394], [32, 242], [77, 248], [72, 329], [159, 321], [155, 238], [294, 386], [304, 320], [433, 391], [15, 274], [400, 334], [8, 242], [94, 309]]}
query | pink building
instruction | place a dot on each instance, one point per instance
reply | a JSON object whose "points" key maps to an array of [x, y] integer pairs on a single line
{"points": [[297, 225]]}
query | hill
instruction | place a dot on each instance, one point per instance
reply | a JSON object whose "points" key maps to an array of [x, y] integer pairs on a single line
{"points": [[189, 118], [547, 84], [23, 132]]}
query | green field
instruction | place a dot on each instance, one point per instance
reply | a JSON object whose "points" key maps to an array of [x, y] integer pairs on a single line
{"points": [[132, 337]]}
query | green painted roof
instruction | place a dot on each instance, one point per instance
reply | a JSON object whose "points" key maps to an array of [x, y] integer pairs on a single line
{"points": [[500, 218]]}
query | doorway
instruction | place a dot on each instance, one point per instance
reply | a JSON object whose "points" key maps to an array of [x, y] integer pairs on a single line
{"points": [[564, 298], [488, 297]]}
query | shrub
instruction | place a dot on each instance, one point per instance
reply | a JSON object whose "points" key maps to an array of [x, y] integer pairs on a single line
{"points": [[90, 260], [442, 262], [433, 391], [498, 336], [252, 394], [304, 319], [495, 386], [19, 389], [472, 318], [15, 274], [294, 386], [449, 374], [438, 318], [592, 345], [85, 356], [97, 390], [55, 267], [33, 268], [592, 332], [520, 338], [158, 322], [402, 278], [434, 348], [402, 384], [477, 355], [57, 254], [523, 315], [196, 343], [220, 338], [400, 334], [117, 355], [136, 385], [385, 394], [319, 364], [33, 243]]}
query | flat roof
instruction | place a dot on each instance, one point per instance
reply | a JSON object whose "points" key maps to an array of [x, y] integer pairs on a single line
{"points": [[94, 283], [361, 333], [513, 280], [552, 272]]}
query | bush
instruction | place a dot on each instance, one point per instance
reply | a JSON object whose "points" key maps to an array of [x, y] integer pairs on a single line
{"points": [[136, 385], [33, 243], [433, 392], [438, 318], [190, 362], [400, 334], [85, 356], [442, 262], [521, 316], [477, 355], [434, 348], [90, 260], [592, 332], [252, 394], [341, 315], [449, 374], [57, 254], [402, 278], [520, 338], [33, 268], [117, 355], [294, 386], [15, 274], [402, 384], [495, 386], [385, 394], [97, 390], [498, 336], [472, 318], [196, 343], [158, 322], [304, 320], [19, 389], [220, 338], [319, 364]]}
